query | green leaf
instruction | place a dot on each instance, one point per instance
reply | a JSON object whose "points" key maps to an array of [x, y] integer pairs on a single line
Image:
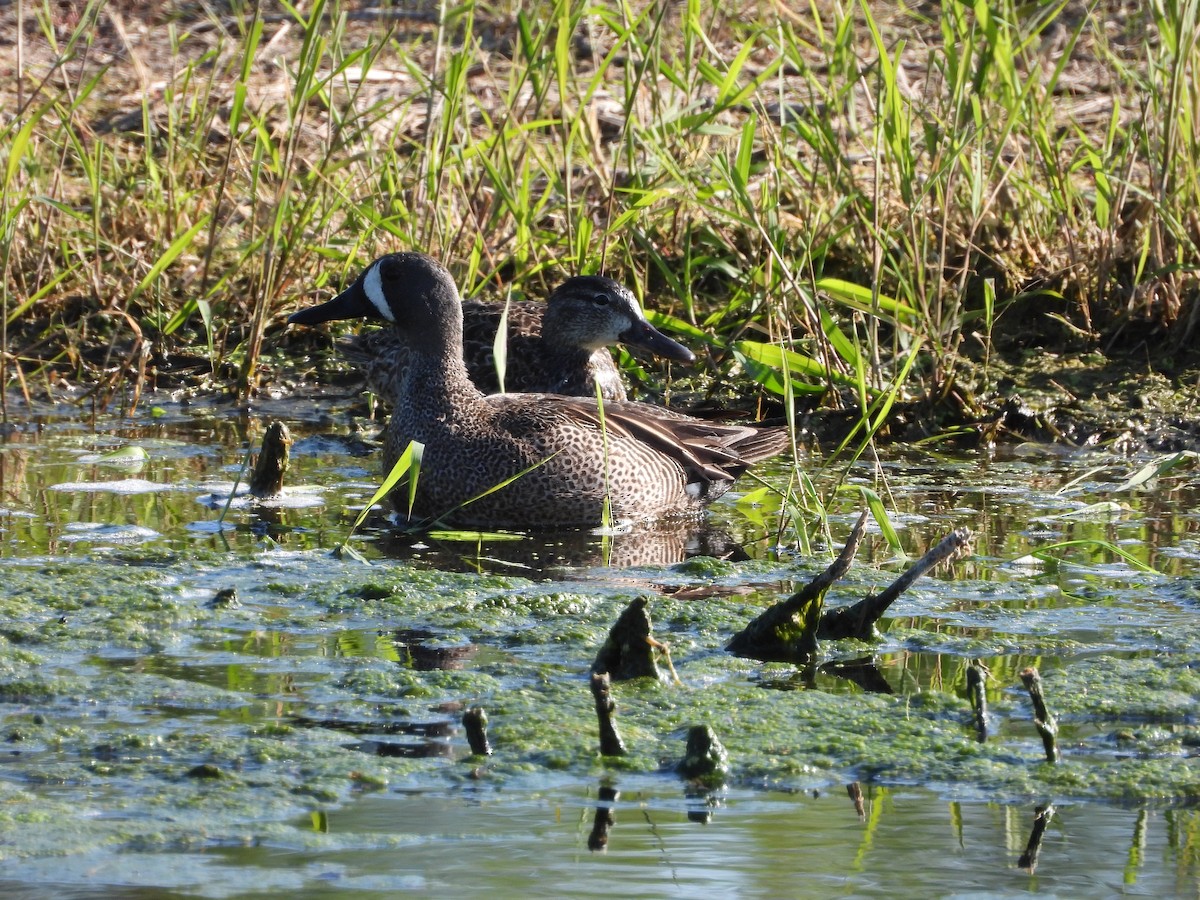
{"points": [[665, 322], [1103, 509], [879, 513], [474, 537], [745, 153], [770, 364], [125, 454], [862, 298], [1157, 469], [180, 244], [500, 345], [43, 291], [409, 460], [1043, 553], [345, 551], [16, 150], [756, 496]]}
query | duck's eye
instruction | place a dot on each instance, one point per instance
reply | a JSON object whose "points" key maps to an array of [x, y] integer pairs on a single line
{"points": [[601, 299]]}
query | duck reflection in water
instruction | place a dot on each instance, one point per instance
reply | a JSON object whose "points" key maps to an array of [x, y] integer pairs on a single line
{"points": [[662, 543]]}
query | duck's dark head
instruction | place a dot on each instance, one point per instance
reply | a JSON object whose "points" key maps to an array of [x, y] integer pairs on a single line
{"points": [[591, 311], [410, 290]]}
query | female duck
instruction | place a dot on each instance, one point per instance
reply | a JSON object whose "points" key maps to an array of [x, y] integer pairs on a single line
{"points": [[563, 461]]}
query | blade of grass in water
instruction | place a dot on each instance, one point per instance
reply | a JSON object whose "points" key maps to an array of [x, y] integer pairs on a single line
{"points": [[500, 345], [409, 464], [1044, 553]]}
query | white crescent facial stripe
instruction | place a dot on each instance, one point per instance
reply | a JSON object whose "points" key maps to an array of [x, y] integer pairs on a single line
{"points": [[373, 288]]}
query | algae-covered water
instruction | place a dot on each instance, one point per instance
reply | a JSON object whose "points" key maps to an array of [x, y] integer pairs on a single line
{"points": [[198, 699]]}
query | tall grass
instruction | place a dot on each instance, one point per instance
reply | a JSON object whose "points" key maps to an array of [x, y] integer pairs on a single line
{"points": [[840, 201]]}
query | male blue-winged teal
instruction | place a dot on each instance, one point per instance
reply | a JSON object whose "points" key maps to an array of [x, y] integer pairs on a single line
{"points": [[556, 347], [567, 456]]}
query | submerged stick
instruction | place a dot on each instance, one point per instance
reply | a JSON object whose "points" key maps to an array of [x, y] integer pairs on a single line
{"points": [[610, 741], [1041, 818], [976, 677], [1044, 722], [855, 792], [706, 759], [787, 631], [475, 721], [605, 819], [858, 620], [272, 464]]}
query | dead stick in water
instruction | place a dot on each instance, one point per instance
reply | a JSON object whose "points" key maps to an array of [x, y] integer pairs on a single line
{"points": [[628, 650], [272, 463], [706, 760], [788, 629], [1041, 818], [858, 620], [855, 792], [475, 721], [1046, 725], [976, 678], [610, 741]]}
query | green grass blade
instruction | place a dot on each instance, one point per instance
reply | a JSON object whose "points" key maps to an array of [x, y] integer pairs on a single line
{"points": [[178, 245], [409, 461]]}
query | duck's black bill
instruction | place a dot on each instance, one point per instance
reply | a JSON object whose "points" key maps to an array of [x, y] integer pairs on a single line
{"points": [[351, 303], [645, 336]]}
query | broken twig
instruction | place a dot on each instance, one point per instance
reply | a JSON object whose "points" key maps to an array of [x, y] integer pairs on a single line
{"points": [[610, 741], [272, 464], [787, 631], [858, 620], [706, 759], [1044, 722], [628, 651], [976, 678]]}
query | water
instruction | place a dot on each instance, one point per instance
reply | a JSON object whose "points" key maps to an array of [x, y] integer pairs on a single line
{"points": [[758, 844], [306, 738]]}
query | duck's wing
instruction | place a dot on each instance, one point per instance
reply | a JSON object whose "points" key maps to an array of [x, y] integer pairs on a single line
{"points": [[709, 453], [712, 451]]}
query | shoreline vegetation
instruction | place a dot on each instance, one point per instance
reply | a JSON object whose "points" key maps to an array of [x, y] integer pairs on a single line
{"points": [[914, 217]]}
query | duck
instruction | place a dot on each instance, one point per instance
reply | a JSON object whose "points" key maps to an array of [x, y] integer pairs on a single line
{"points": [[534, 461], [556, 347]]}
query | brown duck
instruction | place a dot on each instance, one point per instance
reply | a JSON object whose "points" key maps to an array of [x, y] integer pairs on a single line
{"points": [[556, 347], [569, 458]]}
